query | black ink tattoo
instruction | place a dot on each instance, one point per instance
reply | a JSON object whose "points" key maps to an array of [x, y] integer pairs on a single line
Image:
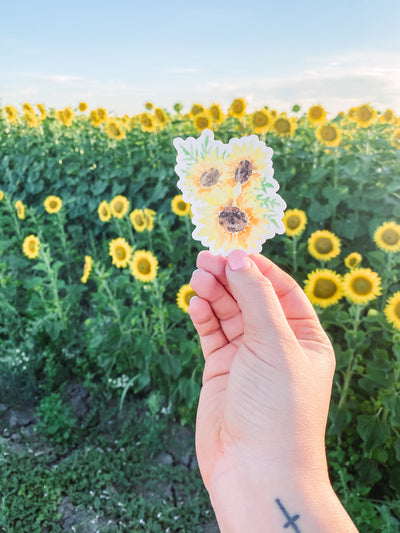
{"points": [[291, 520]]}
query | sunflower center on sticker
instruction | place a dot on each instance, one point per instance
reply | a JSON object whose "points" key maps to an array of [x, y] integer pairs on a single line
{"points": [[209, 177], [361, 285], [325, 288], [233, 219], [243, 171], [389, 236], [323, 245]]}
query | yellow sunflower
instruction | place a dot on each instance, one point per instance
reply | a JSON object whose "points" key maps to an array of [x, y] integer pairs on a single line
{"points": [[87, 268], [52, 204], [102, 114], [27, 108], [388, 117], [149, 215], [224, 223], [95, 118], [202, 121], [120, 252], [196, 110], [31, 120], [144, 266], [324, 245], [316, 115], [161, 116], [185, 294], [114, 130], [21, 208], [11, 113], [353, 260], [104, 211], [284, 126], [138, 220], [179, 206], [203, 176], [119, 206], [261, 121], [216, 113], [365, 115], [238, 108], [82, 106], [361, 285], [387, 237], [329, 134], [324, 287], [294, 221], [248, 160], [149, 106], [31, 246], [392, 310], [65, 116], [42, 110], [1, 195], [147, 122]]}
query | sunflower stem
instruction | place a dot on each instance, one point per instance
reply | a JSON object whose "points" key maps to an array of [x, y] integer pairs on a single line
{"points": [[294, 252], [104, 284], [45, 255], [388, 277], [351, 366], [11, 210]]}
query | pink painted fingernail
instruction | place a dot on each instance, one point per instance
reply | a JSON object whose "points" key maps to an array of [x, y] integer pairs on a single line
{"points": [[238, 260]]}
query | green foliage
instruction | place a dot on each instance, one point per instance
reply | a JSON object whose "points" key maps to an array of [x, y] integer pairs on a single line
{"points": [[55, 418], [127, 338]]}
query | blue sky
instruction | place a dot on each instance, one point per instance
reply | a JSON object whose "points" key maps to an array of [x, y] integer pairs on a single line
{"points": [[120, 54]]}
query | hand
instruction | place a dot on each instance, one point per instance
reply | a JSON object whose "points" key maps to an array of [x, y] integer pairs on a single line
{"points": [[267, 382]]}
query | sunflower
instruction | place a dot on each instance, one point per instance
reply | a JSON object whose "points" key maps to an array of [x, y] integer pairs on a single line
{"points": [[216, 113], [248, 162], [147, 122], [149, 106], [387, 237], [138, 220], [119, 206], [11, 113], [324, 287], [361, 285], [323, 245], [161, 116], [353, 260], [365, 115], [238, 108], [104, 211], [329, 134], [316, 115], [65, 116], [82, 106], [202, 121], [87, 268], [42, 110], [179, 206], [120, 252], [294, 221], [21, 208], [225, 223], [31, 246], [392, 310], [52, 204], [95, 118], [196, 109], [114, 130], [31, 120], [184, 296], [1, 195], [388, 117], [144, 266], [149, 217], [203, 176], [27, 108], [102, 114], [284, 126], [261, 121]]}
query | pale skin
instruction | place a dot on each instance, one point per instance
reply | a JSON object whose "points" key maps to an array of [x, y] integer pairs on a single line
{"points": [[260, 431]]}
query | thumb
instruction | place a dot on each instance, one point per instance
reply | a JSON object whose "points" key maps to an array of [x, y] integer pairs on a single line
{"points": [[264, 321]]}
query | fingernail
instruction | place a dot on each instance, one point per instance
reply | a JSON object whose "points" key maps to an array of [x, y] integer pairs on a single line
{"points": [[238, 260]]}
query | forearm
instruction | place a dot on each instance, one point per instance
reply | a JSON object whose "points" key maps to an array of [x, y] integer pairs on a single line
{"points": [[274, 503]]}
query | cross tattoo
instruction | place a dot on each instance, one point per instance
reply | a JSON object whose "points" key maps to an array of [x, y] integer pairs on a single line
{"points": [[291, 520]]}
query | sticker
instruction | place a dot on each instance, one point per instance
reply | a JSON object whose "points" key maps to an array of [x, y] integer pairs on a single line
{"points": [[231, 190]]}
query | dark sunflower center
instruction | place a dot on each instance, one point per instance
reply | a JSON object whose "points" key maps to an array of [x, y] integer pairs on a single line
{"points": [[104, 211], [260, 119], [118, 206], [329, 133], [323, 245], [237, 106], [182, 206], [353, 261], [233, 219], [390, 236], [316, 112], [364, 114], [361, 285], [139, 220], [120, 253], [53, 204], [202, 122], [397, 310], [293, 222], [325, 288], [243, 171], [282, 125], [215, 113], [32, 246], [209, 177], [188, 296], [144, 266]]}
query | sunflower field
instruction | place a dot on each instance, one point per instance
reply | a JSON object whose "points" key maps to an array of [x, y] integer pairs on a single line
{"points": [[96, 256]]}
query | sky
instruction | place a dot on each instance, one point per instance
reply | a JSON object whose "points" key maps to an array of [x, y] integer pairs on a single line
{"points": [[119, 54]]}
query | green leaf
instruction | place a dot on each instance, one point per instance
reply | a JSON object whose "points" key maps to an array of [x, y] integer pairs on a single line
{"points": [[372, 431]]}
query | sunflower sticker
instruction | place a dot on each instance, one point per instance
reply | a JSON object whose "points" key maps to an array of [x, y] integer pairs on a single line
{"points": [[231, 190]]}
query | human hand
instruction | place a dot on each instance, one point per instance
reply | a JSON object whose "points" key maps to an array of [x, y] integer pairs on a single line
{"points": [[266, 386]]}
